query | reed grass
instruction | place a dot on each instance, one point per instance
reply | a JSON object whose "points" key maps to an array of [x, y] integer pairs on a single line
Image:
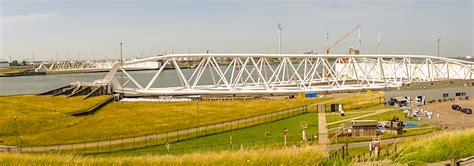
{"points": [[307, 155], [440, 147]]}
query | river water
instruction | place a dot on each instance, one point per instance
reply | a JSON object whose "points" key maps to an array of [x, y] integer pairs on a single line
{"points": [[168, 78], [42, 83]]}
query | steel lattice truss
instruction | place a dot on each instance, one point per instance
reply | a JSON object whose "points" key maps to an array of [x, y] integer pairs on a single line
{"points": [[287, 73], [91, 65]]}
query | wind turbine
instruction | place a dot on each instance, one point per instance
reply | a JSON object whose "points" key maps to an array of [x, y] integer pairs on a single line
{"points": [[327, 39], [279, 37], [359, 41], [379, 42]]}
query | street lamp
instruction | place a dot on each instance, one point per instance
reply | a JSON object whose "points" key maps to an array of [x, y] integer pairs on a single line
{"points": [[121, 64], [16, 132], [438, 45], [197, 119]]}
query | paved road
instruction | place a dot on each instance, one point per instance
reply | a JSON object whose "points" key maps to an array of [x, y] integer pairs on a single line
{"points": [[323, 131], [449, 117]]}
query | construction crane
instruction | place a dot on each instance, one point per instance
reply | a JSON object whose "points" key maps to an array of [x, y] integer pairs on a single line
{"points": [[330, 46]]}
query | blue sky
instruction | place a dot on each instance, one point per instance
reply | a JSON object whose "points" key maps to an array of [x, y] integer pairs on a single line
{"points": [[94, 28]]}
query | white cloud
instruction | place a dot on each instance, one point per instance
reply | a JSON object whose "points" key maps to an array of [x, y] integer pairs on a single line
{"points": [[27, 18]]}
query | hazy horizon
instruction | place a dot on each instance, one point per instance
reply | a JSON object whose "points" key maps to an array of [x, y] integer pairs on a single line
{"points": [[94, 29]]}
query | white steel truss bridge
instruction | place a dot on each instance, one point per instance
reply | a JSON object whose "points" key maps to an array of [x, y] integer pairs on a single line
{"points": [[282, 73], [92, 65]]}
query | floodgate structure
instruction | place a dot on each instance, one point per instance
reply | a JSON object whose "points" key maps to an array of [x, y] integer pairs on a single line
{"points": [[221, 74]]}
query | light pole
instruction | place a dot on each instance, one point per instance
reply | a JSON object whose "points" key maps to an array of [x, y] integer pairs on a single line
{"points": [[438, 45], [197, 119], [21, 140], [121, 56], [121, 63], [16, 132]]}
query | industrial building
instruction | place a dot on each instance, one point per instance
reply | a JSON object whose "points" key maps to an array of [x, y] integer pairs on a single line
{"points": [[433, 91]]}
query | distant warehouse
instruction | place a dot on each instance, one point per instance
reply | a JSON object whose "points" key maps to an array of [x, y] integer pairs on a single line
{"points": [[434, 91], [4, 64]]}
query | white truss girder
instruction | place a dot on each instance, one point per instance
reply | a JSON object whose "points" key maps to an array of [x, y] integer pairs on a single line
{"points": [[92, 65], [289, 73]]}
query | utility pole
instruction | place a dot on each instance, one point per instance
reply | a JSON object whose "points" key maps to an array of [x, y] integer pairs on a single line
{"points": [[438, 45]]}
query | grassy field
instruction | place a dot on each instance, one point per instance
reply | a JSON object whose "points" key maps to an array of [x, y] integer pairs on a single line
{"points": [[38, 124], [252, 137], [383, 117], [378, 117], [14, 70], [435, 148], [333, 117], [438, 147], [37, 114], [354, 102], [444, 146], [308, 155], [384, 136], [388, 115]]}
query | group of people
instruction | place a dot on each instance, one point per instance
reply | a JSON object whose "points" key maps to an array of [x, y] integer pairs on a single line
{"points": [[416, 113]]}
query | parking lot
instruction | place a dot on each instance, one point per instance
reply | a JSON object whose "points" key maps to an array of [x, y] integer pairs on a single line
{"points": [[449, 117]]}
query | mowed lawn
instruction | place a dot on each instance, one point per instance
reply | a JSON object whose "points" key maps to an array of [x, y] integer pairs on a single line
{"points": [[38, 124], [333, 117], [358, 102], [265, 135]]}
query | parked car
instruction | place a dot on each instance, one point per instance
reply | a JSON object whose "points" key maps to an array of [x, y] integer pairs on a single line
{"points": [[466, 110], [456, 107]]}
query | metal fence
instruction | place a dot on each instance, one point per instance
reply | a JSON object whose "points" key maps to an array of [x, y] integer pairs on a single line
{"points": [[182, 134], [388, 150], [294, 141], [123, 144]]}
